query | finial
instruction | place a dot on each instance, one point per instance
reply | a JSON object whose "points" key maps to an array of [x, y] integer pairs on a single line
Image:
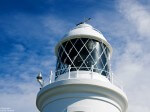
{"points": [[83, 21]]}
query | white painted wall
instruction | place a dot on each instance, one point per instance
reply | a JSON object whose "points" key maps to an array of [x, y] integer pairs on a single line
{"points": [[74, 95]]}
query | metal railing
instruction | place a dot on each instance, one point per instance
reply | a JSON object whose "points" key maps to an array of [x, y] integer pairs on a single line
{"points": [[112, 78], [91, 69]]}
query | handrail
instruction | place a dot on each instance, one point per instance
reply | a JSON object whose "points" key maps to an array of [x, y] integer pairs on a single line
{"points": [[113, 79], [91, 68]]}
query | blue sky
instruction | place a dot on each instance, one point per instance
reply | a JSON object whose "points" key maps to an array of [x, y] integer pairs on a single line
{"points": [[30, 29]]}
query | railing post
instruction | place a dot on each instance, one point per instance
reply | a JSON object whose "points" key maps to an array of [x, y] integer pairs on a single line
{"points": [[77, 73], [111, 75], [92, 67], [69, 68], [112, 78], [50, 78]]}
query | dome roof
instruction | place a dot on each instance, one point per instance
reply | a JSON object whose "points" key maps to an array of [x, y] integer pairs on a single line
{"points": [[84, 30]]}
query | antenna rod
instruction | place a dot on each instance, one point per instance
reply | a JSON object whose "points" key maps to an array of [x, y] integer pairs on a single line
{"points": [[87, 20], [83, 21]]}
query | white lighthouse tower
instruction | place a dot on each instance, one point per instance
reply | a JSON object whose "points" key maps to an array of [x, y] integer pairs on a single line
{"points": [[83, 80]]}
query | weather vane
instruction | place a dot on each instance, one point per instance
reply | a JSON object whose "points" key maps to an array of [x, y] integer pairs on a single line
{"points": [[83, 21]]}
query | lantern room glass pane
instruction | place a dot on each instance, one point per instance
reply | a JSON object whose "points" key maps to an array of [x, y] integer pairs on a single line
{"points": [[81, 54]]}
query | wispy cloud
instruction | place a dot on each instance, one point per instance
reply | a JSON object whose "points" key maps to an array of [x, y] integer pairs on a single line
{"points": [[127, 29], [133, 64], [19, 96], [33, 39], [138, 15], [29, 42]]}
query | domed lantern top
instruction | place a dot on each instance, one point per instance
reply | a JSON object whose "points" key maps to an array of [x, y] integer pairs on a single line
{"points": [[83, 48]]}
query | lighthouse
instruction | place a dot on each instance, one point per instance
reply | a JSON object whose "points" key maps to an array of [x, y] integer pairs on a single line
{"points": [[82, 81]]}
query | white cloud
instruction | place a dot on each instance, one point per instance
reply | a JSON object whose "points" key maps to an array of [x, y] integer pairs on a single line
{"points": [[19, 96], [138, 15], [18, 83], [128, 32], [133, 64]]}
